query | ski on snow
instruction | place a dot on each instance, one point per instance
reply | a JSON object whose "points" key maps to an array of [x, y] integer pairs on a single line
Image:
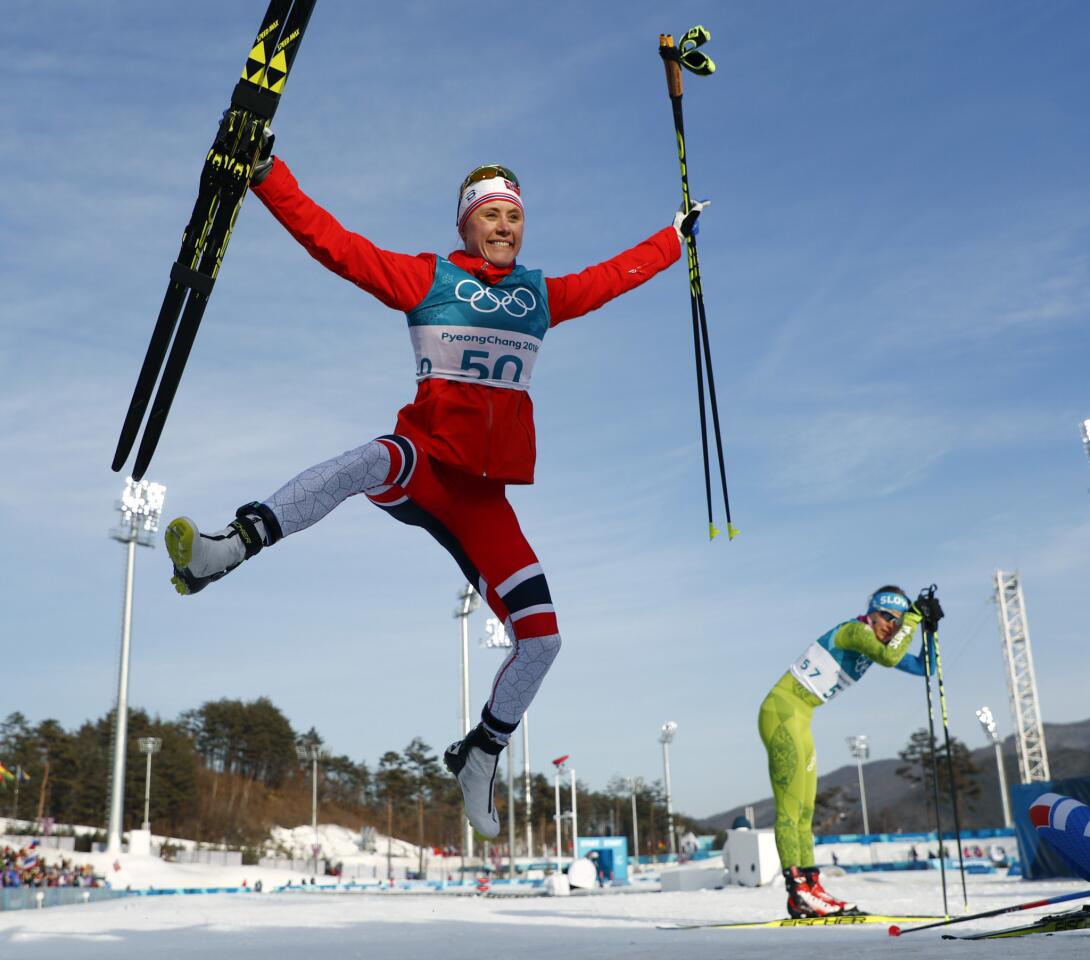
{"points": [[837, 920], [224, 181], [1056, 923]]}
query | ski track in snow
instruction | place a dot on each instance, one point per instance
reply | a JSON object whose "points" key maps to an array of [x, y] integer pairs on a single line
{"points": [[411, 926]]}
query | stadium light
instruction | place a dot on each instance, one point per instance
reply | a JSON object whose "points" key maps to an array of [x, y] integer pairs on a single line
{"points": [[470, 601], [987, 721], [559, 764], [496, 639], [666, 736], [311, 752], [574, 820], [527, 785], [634, 783], [141, 506], [149, 746], [860, 748]]}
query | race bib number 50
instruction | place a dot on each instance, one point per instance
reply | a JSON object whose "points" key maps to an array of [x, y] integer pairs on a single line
{"points": [[495, 357]]}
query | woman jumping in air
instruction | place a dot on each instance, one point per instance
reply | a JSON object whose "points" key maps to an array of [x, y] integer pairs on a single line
{"points": [[477, 319]]}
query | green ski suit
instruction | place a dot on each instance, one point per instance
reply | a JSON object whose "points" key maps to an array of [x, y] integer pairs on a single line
{"points": [[827, 668]]}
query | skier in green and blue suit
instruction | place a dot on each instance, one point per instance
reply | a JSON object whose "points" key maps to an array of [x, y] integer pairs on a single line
{"points": [[826, 669]]}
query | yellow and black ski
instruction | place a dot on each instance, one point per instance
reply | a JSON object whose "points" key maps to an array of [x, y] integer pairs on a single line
{"points": [[225, 177], [836, 920], [1057, 923]]}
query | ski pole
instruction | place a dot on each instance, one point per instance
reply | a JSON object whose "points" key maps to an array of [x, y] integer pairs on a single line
{"points": [[950, 766], [674, 58], [934, 764], [896, 931]]}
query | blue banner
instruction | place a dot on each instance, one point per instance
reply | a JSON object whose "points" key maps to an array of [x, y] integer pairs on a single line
{"points": [[1039, 860]]}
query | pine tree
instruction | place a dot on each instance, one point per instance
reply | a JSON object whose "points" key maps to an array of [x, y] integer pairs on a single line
{"points": [[916, 767]]}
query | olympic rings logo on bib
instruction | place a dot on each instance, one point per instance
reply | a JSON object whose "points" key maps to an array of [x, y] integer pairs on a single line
{"points": [[518, 303]]}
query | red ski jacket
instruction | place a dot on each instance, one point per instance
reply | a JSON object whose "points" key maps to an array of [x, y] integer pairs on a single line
{"points": [[481, 430]]}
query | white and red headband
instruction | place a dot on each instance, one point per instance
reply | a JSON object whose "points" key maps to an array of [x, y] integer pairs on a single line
{"points": [[484, 191]]}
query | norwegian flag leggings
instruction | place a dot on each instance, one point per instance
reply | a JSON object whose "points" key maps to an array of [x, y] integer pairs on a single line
{"points": [[469, 516]]}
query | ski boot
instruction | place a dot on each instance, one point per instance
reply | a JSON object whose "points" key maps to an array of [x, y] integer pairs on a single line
{"points": [[201, 558], [813, 878], [802, 901], [473, 762]]}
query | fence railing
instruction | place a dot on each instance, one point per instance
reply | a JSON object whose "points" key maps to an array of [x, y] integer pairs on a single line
{"points": [[31, 898]]}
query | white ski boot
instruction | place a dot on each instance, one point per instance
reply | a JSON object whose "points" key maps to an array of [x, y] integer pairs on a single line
{"points": [[200, 558], [473, 762]]}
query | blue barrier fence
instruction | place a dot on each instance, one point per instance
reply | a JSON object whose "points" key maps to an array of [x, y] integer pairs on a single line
{"points": [[31, 898], [923, 837]]}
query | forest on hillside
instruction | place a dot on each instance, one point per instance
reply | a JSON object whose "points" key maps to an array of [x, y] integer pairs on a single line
{"points": [[229, 770]]}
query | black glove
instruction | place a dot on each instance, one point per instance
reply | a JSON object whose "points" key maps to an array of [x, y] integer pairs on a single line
{"points": [[687, 224], [930, 609], [264, 158]]}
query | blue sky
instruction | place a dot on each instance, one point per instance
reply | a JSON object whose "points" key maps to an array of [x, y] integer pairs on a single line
{"points": [[898, 287]]}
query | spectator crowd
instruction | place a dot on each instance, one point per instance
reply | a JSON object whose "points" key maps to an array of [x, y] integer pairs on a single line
{"points": [[25, 867]]}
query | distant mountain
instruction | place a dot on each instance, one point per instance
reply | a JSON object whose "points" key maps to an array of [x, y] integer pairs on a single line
{"points": [[895, 805]]}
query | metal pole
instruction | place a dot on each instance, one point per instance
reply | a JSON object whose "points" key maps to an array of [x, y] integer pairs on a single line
{"points": [[527, 790], [669, 801], [389, 844], [465, 672], [149, 746], [466, 596], [314, 802], [574, 821], [1003, 784], [557, 818], [635, 833], [987, 721], [510, 813], [147, 794], [15, 801], [141, 505], [862, 792], [121, 716]]}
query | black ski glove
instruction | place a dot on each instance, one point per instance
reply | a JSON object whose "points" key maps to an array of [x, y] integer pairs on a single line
{"points": [[930, 609], [264, 159]]}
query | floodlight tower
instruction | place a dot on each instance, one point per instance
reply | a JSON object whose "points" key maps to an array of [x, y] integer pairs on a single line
{"points": [[859, 746], [141, 506], [558, 763], [312, 752], [634, 784], [148, 746], [987, 721], [496, 639], [470, 600], [527, 786], [1029, 732], [666, 736]]}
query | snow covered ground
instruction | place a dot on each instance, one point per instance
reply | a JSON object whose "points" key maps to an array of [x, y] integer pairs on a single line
{"points": [[302, 925]]}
